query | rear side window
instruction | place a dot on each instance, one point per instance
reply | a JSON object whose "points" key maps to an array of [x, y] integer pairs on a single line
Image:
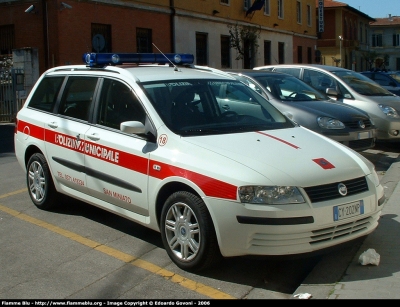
{"points": [[382, 80], [46, 94], [77, 97], [291, 71]]}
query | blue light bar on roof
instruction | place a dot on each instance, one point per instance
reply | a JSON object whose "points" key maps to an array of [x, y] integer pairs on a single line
{"points": [[103, 59]]}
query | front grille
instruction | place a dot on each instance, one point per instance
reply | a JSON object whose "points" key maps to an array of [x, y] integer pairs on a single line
{"points": [[354, 124], [330, 191], [362, 144], [343, 230]]}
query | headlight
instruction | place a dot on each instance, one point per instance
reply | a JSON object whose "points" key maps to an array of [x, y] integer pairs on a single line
{"points": [[278, 195], [330, 123], [389, 111]]}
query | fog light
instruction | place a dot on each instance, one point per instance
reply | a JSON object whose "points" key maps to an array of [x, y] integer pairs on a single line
{"points": [[394, 132]]}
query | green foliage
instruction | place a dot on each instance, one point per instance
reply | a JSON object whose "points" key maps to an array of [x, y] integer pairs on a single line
{"points": [[369, 56], [6, 61]]}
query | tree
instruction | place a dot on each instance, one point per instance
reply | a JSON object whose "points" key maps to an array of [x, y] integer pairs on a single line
{"points": [[370, 57], [241, 36]]}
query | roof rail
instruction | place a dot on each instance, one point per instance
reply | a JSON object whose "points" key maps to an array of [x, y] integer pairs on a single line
{"points": [[214, 70], [104, 59]]}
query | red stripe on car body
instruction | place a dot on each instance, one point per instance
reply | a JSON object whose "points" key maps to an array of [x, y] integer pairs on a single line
{"points": [[210, 186], [278, 139]]}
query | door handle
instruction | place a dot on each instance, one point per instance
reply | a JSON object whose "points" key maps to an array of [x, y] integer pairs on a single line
{"points": [[94, 137], [53, 125]]}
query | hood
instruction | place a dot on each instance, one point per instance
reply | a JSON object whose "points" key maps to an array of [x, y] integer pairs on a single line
{"points": [[393, 101], [295, 156], [324, 108]]}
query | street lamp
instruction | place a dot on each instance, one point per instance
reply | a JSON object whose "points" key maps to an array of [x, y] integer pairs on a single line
{"points": [[340, 49]]}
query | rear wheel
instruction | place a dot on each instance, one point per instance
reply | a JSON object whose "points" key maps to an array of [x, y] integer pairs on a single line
{"points": [[188, 233], [40, 184]]}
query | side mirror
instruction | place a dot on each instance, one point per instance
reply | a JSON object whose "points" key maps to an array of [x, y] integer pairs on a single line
{"points": [[288, 115], [132, 127], [331, 92]]}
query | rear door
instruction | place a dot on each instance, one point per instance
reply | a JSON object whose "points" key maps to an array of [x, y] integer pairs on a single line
{"points": [[65, 132]]}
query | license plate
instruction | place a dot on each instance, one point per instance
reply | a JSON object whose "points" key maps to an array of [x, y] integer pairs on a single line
{"points": [[348, 210], [363, 135]]}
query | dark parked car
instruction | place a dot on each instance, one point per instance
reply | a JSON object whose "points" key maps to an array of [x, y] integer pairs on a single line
{"points": [[389, 80], [310, 108]]}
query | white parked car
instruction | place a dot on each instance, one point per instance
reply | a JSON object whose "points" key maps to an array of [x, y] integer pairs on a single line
{"points": [[154, 144], [352, 88]]}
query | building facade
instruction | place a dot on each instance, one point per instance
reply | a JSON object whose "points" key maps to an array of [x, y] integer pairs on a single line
{"points": [[63, 31], [267, 31], [345, 42], [385, 43]]}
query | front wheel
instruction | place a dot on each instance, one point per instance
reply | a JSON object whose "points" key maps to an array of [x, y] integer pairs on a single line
{"points": [[40, 184], [188, 232]]}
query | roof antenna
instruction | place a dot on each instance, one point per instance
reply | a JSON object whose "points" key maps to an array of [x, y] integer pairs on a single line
{"points": [[175, 67]]}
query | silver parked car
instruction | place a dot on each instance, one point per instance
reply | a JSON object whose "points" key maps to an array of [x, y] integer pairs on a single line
{"points": [[310, 108], [351, 88]]}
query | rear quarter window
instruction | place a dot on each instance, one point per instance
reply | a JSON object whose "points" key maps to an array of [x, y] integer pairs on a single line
{"points": [[46, 93]]}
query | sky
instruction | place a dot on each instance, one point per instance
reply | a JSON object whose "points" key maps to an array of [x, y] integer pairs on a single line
{"points": [[376, 8]]}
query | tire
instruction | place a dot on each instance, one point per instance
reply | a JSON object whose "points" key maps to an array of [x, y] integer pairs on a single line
{"points": [[40, 183], [188, 232]]}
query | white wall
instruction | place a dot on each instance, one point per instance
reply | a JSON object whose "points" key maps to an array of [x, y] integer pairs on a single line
{"points": [[185, 41]]}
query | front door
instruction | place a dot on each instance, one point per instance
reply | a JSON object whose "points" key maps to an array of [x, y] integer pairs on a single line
{"points": [[116, 162]]}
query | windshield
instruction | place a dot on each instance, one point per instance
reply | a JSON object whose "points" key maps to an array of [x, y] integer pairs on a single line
{"points": [[395, 76], [362, 84], [288, 88], [201, 107]]}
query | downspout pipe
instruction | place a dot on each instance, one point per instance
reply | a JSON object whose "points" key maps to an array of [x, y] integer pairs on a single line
{"points": [[173, 13], [45, 34]]}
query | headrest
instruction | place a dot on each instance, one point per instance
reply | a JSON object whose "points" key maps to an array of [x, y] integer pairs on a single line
{"points": [[183, 95]]}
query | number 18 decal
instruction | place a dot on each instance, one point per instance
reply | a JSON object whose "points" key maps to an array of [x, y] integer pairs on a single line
{"points": [[162, 140]]}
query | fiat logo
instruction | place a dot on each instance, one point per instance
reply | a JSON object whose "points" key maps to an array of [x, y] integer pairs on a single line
{"points": [[361, 124], [342, 189]]}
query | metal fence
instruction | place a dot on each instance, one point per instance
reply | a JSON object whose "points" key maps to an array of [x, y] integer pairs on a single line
{"points": [[11, 82]]}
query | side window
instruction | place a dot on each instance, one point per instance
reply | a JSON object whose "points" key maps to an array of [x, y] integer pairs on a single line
{"points": [[291, 71], [118, 104], [382, 80], [344, 92], [319, 80], [77, 97], [369, 75], [46, 94]]}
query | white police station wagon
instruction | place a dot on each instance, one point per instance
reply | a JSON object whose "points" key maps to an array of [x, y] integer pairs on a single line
{"points": [[193, 154]]}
